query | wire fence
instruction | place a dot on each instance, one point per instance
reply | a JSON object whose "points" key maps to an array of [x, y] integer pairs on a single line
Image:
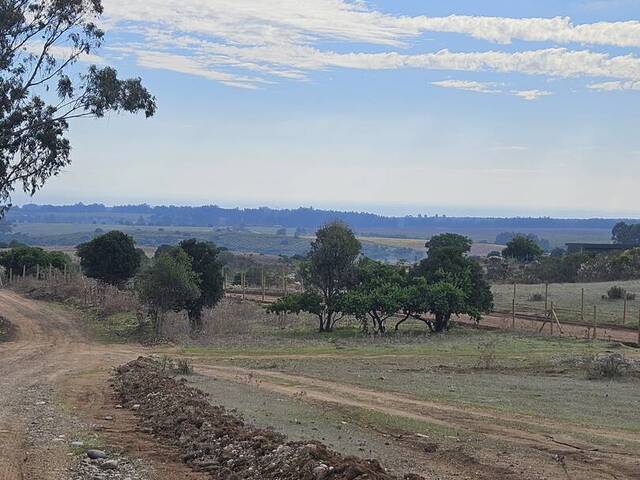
{"points": [[587, 304]]}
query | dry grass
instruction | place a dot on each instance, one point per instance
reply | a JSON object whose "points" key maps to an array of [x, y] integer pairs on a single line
{"points": [[229, 317], [567, 298], [79, 289]]}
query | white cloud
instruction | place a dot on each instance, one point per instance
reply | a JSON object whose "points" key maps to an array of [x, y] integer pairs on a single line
{"points": [[224, 40], [468, 85], [531, 95], [616, 85], [511, 148]]}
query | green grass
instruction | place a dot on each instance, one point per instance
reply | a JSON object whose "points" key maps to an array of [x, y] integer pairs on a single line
{"points": [[567, 298], [115, 328]]}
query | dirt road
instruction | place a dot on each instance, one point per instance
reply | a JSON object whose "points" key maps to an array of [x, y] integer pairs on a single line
{"points": [[54, 385]]}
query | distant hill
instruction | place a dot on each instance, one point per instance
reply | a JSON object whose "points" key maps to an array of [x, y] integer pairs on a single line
{"points": [[300, 218]]}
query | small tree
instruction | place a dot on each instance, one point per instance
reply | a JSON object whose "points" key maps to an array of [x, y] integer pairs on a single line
{"points": [[446, 272], [169, 284], [522, 249], [205, 263], [377, 295], [111, 258], [326, 274]]}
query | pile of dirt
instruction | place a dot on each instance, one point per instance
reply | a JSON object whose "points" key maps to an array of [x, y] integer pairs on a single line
{"points": [[214, 441]]}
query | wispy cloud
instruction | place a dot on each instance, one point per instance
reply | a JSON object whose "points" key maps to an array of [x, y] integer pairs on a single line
{"points": [[468, 85], [251, 42], [511, 148], [531, 95], [615, 86]]}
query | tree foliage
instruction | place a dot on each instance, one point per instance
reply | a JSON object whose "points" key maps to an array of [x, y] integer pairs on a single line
{"points": [[111, 258], [168, 284], [208, 268], [522, 249], [377, 295], [626, 234], [327, 273], [454, 283], [26, 259], [40, 41]]}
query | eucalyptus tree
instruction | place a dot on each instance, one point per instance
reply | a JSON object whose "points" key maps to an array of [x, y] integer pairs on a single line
{"points": [[42, 88]]}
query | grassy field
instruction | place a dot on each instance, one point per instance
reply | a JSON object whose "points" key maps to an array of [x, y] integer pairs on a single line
{"points": [[567, 299], [469, 404]]}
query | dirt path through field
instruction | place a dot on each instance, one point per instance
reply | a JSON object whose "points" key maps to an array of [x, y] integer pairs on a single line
{"points": [[49, 354]]}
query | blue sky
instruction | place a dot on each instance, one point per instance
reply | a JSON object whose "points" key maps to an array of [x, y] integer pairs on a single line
{"points": [[417, 106]]}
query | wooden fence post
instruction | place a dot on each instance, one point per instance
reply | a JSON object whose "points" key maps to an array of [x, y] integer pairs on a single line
{"points": [[513, 309], [595, 320], [38, 271], [24, 271], [551, 319], [263, 285], [243, 282], [582, 307], [546, 297], [624, 309]]}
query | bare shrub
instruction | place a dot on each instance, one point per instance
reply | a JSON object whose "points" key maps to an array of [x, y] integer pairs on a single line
{"points": [[618, 293], [536, 297], [229, 317], [175, 327], [607, 366], [487, 359], [116, 301], [180, 366], [184, 366]]}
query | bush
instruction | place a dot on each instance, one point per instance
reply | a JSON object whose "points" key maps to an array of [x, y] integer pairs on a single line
{"points": [[610, 366], [618, 293], [111, 258], [28, 259], [536, 297]]}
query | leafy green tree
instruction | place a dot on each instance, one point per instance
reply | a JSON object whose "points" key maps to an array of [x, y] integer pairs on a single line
{"points": [[25, 258], [40, 91], [111, 258], [522, 249], [205, 263], [442, 300], [169, 284], [447, 271], [327, 273], [626, 234], [377, 295]]}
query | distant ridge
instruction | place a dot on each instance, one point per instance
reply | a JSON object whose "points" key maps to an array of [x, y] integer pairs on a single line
{"points": [[303, 218]]}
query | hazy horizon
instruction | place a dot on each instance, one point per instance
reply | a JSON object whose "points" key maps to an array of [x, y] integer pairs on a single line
{"points": [[384, 210], [502, 108]]}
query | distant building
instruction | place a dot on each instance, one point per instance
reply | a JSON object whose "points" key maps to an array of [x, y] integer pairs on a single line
{"points": [[598, 247]]}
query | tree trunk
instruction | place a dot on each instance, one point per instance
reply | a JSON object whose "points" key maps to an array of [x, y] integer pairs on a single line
{"points": [[442, 322], [195, 320]]}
